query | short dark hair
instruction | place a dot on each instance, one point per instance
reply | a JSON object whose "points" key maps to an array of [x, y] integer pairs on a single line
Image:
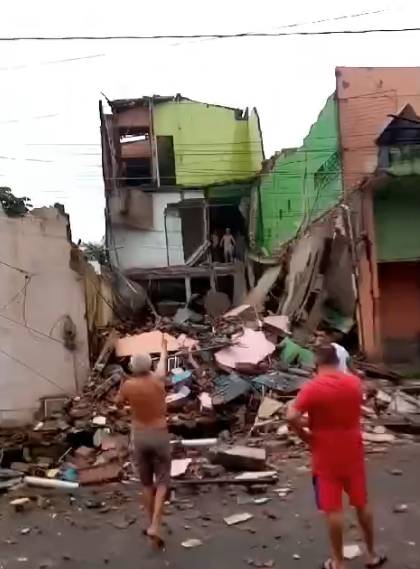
{"points": [[326, 355]]}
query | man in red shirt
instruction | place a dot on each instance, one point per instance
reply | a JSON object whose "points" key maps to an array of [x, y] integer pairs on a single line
{"points": [[333, 401]]}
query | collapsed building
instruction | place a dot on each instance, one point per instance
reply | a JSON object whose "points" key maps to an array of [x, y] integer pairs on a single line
{"points": [[324, 247], [176, 171]]}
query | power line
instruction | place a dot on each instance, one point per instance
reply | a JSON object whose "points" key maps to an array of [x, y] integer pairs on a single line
{"points": [[15, 296], [237, 35], [33, 370], [31, 329], [19, 269], [52, 62]]}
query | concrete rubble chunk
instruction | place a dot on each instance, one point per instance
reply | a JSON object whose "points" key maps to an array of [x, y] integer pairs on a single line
{"points": [[238, 518], [283, 431], [378, 437], [212, 470], [100, 474], [352, 551], [266, 475], [240, 458], [404, 404], [99, 420], [269, 407], [279, 322], [190, 543], [179, 466], [20, 504], [249, 348]]}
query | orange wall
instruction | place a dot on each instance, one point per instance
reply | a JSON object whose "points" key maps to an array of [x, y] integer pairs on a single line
{"points": [[366, 95]]}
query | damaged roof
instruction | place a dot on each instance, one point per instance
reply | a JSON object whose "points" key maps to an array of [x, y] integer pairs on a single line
{"points": [[119, 105], [404, 125], [124, 104]]}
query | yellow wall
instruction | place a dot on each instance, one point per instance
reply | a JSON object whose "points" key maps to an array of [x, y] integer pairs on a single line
{"points": [[211, 145]]}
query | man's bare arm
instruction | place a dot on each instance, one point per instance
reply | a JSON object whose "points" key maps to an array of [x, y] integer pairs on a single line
{"points": [[295, 421], [162, 367]]}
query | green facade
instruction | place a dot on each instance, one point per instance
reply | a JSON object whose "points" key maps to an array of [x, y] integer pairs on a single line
{"points": [[397, 226], [212, 144], [303, 183]]}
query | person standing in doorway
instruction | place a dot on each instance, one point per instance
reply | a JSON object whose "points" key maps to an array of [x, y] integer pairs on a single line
{"points": [[228, 245], [145, 393], [333, 400]]}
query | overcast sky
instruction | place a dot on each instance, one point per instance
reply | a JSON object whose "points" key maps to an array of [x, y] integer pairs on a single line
{"points": [[49, 123]]}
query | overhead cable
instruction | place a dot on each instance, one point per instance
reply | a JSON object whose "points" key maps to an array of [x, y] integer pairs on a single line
{"points": [[233, 35]]}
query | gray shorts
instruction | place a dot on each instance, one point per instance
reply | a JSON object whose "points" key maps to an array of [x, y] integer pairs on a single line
{"points": [[152, 455]]}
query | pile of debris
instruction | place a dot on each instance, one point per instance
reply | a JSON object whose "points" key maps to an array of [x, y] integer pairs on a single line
{"points": [[229, 381]]}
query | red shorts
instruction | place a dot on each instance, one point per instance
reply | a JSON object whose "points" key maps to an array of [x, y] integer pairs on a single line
{"points": [[329, 490]]}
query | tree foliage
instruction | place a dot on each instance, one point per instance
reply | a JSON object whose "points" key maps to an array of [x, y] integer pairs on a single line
{"points": [[95, 252], [12, 205]]}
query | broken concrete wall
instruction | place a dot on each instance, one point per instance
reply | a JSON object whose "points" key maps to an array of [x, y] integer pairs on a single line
{"points": [[319, 283], [43, 333], [361, 206], [99, 297], [130, 207], [133, 248]]}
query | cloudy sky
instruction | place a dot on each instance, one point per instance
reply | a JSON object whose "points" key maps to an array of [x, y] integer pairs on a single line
{"points": [[49, 123]]}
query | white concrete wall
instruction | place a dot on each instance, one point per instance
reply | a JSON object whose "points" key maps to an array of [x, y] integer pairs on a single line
{"points": [[33, 360], [135, 248]]}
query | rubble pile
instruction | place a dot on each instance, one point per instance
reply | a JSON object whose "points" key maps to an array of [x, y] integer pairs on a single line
{"points": [[229, 380]]}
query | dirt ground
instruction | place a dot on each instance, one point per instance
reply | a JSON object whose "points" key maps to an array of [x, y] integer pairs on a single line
{"points": [[102, 528]]}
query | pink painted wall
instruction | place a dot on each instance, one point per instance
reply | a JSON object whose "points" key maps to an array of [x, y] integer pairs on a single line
{"points": [[34, 362]]}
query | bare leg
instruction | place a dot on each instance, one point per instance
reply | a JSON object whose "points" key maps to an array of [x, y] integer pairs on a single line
{"points": [[335, 530], [148, 495], [365, 518], [160, 498]]}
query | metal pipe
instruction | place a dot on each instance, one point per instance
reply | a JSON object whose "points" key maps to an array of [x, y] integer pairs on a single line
{"points": [[50, 483]]}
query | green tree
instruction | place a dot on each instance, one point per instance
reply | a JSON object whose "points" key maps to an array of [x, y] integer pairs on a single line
{"points": [[95, 252], [12, 205]]}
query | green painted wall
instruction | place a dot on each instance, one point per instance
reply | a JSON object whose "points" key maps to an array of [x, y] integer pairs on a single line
{"points": [[303, 183], [397, 220], [210, 144]]}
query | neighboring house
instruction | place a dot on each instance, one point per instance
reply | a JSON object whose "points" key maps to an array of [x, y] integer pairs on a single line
{"points": [[364, 150], [175, 170], [43, 334], [379, 113], [300, 184]]}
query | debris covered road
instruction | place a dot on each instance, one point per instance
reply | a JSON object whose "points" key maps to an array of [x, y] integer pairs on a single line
{"points": [[101, 527]]}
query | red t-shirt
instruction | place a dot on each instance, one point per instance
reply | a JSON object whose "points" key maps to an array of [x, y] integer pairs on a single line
{"points": [[333, 402]]}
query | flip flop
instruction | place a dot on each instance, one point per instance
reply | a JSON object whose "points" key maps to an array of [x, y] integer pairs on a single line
{"points": [[378, 563], [328, 564]]}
